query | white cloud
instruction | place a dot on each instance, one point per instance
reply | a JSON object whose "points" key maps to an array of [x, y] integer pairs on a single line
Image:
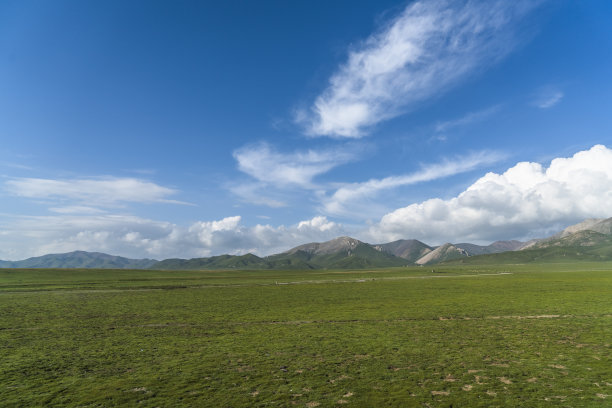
{"points": [[318, 223], [15, 165], [267, 165], [76, 209], [99, 192], [428, 47], [253, 193], [547, 97], [345, 199], [278, 173], [467, 119], [525, 201], [28, 236], [137, 237]]}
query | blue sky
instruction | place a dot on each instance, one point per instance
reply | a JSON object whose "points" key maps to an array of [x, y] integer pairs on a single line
{"points": [[184, 129]]}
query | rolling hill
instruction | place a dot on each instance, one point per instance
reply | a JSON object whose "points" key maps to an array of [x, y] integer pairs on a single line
{"points": [[575, 243], [80, 259]]}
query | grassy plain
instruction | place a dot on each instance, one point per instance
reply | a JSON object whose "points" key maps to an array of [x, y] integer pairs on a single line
{"points": [[462, 336]]}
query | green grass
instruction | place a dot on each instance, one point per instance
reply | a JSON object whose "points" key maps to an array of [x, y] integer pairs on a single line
{"points": [[466, 336]]}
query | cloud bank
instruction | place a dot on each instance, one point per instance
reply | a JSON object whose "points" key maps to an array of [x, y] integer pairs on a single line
{"points": [[527, 199], [138, 237], [427, 48]]}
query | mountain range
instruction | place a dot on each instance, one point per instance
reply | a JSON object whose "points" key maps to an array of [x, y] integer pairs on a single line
{"points": [[588, 240], [80, 259]]}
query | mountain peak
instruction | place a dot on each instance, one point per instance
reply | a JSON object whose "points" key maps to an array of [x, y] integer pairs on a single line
{"points": [[328, 247], [409, 249], [587, 224]]}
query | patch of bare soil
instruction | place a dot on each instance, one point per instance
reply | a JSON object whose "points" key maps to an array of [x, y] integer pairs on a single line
{"points": [[440, 393], [559, 366], [478, 378], [342, 377]]}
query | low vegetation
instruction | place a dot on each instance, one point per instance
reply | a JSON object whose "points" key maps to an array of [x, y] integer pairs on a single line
{"points": [[584, 246], [511, 335]]}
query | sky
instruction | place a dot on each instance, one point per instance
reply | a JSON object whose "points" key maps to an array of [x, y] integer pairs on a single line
{"points": [[157, 129]]}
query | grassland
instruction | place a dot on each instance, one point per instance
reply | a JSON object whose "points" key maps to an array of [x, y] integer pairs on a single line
{"points": [[462, 336]]}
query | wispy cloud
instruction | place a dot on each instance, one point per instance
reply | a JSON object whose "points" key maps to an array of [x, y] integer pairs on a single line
{"points": [[97, 192], [347, 197], [15, 165], [428, 47], [253, 193], [76, 209], [298, 168], [547, 97], [467, 119]]}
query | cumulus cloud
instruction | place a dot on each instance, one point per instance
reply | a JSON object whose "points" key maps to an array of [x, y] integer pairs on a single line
{"points": [[428, 47], [230, 236], [526, 200], [347, 198], [267, 165], [138, 237], [317, 224], [104, 191]]}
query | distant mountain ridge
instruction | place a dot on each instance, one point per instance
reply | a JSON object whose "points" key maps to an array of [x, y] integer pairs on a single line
{"points": [[80, 259], [339, 253], [495, 247], [588, 240]]}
